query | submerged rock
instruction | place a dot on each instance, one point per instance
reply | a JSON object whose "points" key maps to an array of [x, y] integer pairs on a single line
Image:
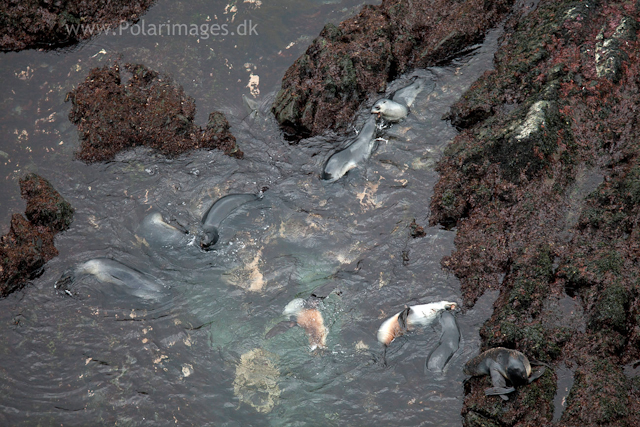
{"points": [[149, 110], [563, 99], [256, 381], [29, 243], [346, 63], [28, 24]]}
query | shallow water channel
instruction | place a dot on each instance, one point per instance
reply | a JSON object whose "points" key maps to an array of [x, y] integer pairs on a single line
{"points": [[200, 356]]}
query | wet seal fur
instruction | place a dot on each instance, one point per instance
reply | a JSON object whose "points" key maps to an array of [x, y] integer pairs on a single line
{"points": [[449, 342], [135, 282], [356, 153], [218, 212], [417, 315], [308, 317], [503, 364], [156, 231], [397, 107]]}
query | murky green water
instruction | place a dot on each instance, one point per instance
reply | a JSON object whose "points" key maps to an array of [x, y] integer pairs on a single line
{"points": [[200, 358]]}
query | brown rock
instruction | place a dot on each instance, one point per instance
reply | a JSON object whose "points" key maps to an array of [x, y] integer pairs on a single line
{"points": [[28, 24], [29, 244], [150, 110]]}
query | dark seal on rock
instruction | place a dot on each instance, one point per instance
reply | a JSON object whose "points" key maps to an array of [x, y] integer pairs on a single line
{"points": [[502, 364]]}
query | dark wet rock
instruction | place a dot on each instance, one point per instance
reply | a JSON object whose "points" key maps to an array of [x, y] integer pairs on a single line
{"points": [[49, 24], [346, 63], [29, 243], [45, 206], [148, 110], [543, 185]]}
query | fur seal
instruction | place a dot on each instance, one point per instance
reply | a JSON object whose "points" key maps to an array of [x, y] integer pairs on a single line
{"points": [[217, 213], [356, 153], [449, 342], [502, 364], [107, 270], [157, 231], [308, 317], [396, 107], [417, 315]]}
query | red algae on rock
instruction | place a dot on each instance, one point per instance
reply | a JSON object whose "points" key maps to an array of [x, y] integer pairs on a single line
{"points": [[49, 24], [149, 110], [29, 243], [326, 85], [543, 185]]}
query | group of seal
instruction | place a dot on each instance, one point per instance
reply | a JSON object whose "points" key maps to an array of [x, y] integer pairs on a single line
{"points": [[157, 231], [501, 364], [359, 150]]}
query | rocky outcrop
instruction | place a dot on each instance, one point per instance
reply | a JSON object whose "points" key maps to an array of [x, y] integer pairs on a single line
{"points": [[29, 243], [326, 85], [149, 110], [49, 24], [543, 185]]}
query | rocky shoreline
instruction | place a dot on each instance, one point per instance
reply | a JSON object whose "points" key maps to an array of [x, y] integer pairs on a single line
{"points": [[347, 63], [29, 243], [28, 24], [543, 187], [542, 183]]}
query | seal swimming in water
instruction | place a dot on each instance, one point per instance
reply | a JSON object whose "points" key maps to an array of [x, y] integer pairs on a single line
{"points": [[502, 364], [107, 270], [217, 213], [308, 317], [157, 231], [449, 342], [417, 315], [354, 154], [397, 107], [251, 105]]}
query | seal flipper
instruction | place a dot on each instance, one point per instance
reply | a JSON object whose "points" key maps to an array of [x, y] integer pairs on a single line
{"points": [[65, 280], [498, 377], [280, 328], [499, 391], [537, 374]]}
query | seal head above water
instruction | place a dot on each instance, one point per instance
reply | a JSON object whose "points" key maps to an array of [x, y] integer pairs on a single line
{"points": [[397, 106], [218, 212], [308, 317]]}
